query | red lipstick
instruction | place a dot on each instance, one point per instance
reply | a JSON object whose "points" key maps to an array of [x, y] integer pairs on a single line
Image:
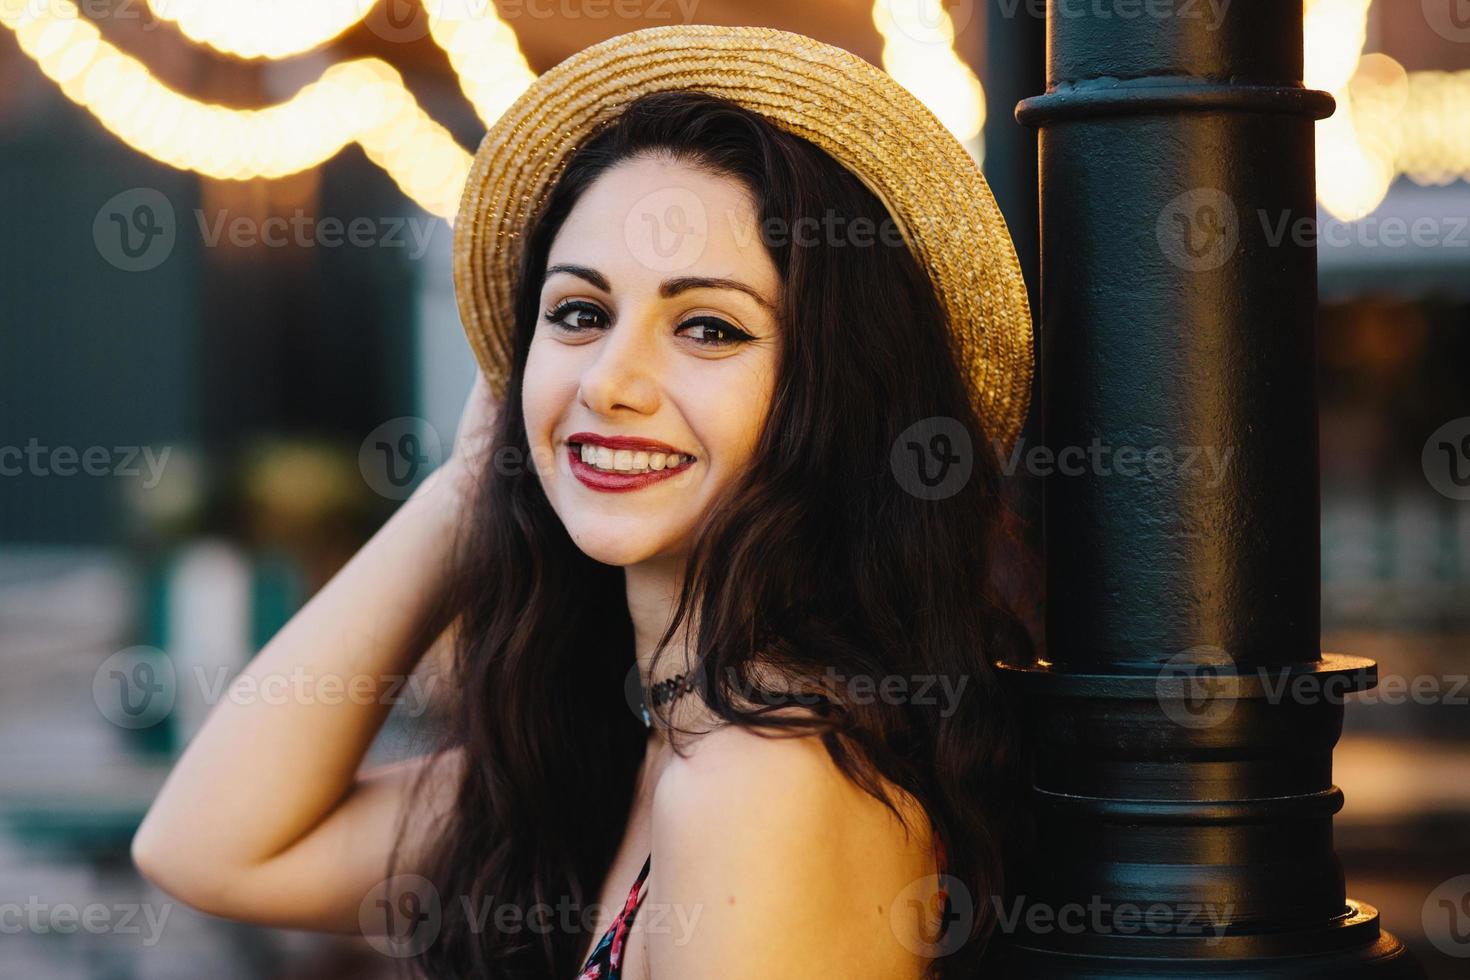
{"points": [[624, 442], [607, 482]]}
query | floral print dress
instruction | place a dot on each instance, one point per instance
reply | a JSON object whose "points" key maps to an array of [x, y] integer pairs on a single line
{"points": [[606, 961]]}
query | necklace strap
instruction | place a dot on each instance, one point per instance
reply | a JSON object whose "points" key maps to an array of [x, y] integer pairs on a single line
{"points": [[664, 692]]}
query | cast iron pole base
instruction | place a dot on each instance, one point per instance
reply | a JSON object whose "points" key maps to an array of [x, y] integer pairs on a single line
{"points": [[1185, 827]]}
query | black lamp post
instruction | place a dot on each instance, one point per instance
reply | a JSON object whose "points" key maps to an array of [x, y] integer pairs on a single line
{"points": [[1185, 715]]}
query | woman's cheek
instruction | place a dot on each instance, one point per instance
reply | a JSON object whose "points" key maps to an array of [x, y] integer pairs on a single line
{"points": [[540, 395]]}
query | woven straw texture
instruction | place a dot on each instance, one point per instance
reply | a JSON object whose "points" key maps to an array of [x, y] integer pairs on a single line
{"points": [[849, 108]]}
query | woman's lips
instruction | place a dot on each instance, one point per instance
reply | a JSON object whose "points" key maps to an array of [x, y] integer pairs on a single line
{"points": [[610, 482], [634, 443]]}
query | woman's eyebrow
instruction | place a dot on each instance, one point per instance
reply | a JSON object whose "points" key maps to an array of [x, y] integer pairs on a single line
{"points": [[672, 287], [669, 288], [581, 272]]}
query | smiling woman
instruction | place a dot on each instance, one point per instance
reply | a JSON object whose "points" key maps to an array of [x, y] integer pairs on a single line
{"points": [[677, 637]]}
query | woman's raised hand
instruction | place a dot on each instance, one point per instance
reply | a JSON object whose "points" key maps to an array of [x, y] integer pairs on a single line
{"points": [[472, 441]]}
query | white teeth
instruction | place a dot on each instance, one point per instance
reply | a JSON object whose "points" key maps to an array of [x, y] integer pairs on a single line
{"points": [[629, 461]]}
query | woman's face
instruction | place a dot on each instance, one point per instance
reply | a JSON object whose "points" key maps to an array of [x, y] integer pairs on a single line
{"points": [[654, 361]]}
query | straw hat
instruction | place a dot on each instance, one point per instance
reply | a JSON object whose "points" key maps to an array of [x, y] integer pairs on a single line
{"points": [[852, 110]]}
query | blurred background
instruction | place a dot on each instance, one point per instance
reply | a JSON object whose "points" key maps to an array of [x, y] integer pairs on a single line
{"points": [[229, 347]]}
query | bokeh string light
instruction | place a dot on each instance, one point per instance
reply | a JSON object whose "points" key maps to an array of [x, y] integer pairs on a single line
{"points": [[918, 51], [482, 48], [363, 101], [483, 51], [1389, 121], [261, 28]]}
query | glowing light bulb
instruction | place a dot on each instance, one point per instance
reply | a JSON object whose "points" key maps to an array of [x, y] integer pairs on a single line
{"points": [[918, 51]]}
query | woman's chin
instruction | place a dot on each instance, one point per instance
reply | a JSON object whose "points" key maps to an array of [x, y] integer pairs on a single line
{"points": [[620, 549]]}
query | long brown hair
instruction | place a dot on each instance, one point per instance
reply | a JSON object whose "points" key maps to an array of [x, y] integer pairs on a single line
{"points": [[823, 562]]}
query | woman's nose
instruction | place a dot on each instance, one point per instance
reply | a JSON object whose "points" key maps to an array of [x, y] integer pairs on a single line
{"points": [[623, 374]]}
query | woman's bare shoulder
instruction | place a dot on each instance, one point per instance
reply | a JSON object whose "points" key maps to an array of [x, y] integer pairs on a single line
{"points": [[731, 761], [776, 845]]}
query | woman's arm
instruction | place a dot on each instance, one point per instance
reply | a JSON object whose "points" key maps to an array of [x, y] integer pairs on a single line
{"points": [[265, 817]]}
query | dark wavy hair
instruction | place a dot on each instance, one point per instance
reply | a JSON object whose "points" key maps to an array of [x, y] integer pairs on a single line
{"points": [[818, 564]]}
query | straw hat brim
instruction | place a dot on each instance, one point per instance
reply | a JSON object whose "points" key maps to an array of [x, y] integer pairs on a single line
{"points": [[849, 108]]}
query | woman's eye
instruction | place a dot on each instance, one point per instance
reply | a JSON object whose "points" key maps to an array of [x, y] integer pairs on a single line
{"points": [[713, 332], [577, 316]]}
